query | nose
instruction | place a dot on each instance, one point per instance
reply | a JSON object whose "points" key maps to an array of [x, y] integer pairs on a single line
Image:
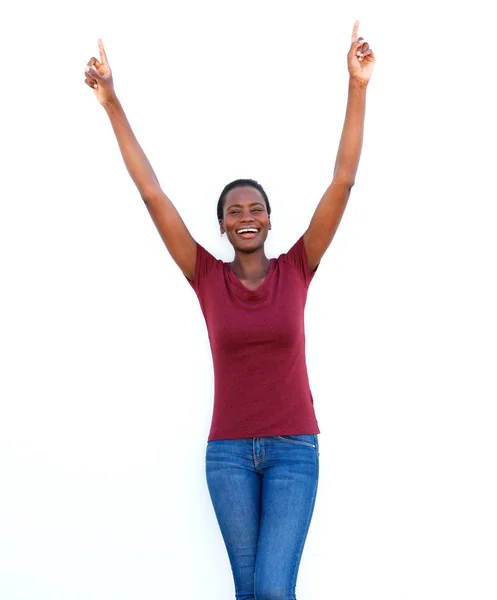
{"points": [[246, 215]]}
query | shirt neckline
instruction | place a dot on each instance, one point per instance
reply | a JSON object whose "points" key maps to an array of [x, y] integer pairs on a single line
{"points": [[263, 285]]}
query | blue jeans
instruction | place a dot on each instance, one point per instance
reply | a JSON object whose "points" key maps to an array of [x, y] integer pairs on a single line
{"points": [[263, 491]]}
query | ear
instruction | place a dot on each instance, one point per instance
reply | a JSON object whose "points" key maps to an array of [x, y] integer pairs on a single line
{"points": [[269, 219], [221, 226]]}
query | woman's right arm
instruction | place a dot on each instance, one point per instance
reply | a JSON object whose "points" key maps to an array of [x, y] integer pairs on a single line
{"points": [[168, 221]]}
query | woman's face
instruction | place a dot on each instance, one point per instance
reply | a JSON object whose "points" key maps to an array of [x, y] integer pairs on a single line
{"points": [[244, 207]]}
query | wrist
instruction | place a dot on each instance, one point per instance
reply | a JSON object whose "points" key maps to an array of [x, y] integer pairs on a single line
{"points": [[111, 103], [358, 84]]}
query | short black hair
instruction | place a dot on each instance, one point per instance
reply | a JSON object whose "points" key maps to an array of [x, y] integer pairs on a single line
{"points": [[241, 183]]}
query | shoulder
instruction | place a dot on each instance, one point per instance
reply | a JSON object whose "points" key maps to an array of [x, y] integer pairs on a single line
{"points": [[296, 257], [205, 266]]}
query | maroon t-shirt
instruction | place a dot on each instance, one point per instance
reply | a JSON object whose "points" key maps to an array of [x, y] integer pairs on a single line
{"points": [[261, 387]]}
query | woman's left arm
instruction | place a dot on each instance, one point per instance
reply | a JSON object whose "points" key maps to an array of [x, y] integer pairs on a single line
{"points": [[326, 218]]}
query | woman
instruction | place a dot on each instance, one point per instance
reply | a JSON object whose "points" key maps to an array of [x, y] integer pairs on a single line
{"points": [[262, 457]]}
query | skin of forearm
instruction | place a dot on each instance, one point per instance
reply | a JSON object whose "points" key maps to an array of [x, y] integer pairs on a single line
{"points": [[136, 162], [349, 150]]}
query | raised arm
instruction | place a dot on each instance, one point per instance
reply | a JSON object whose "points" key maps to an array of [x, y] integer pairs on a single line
{"points": [[170, 225], [327, 216]]}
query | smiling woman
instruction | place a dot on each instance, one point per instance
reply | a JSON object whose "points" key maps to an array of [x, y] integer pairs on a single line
{"points": [[244, 214], [262, 455]]}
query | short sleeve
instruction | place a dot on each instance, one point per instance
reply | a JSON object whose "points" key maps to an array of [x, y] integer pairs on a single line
{"points": [[204, 264], [297, 257]]}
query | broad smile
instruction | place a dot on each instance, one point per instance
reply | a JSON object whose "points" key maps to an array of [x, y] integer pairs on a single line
{"points": [[247, 232]]}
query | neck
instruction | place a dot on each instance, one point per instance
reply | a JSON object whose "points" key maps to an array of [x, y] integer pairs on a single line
{"points": [[252, 265]]}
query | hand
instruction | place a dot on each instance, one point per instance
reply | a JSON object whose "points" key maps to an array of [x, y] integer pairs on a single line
{"points": [[360, 59], [99, 76]]}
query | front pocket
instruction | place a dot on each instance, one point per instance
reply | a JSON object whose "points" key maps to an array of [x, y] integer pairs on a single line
{"points": [[293, 439]]}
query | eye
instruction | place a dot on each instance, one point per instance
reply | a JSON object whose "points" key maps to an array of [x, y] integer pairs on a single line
{"points": [[259, 209]]}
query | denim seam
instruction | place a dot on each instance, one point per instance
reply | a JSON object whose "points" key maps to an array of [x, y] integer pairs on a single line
{"points": [[304, 539], [279, 437]]}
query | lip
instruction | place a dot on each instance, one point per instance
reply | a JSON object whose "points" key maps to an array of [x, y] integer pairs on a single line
{"points": [[249, 238], [248, 227]]}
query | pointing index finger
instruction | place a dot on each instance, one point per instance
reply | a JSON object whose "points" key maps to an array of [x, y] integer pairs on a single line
{"points": [[103, 56], [355, 31]]}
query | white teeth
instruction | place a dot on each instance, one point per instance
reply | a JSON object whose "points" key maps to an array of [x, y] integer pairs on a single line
{"points": [[249, 230]]}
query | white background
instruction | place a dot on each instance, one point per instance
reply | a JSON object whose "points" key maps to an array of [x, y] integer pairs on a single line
{"points": [[106, 376]]}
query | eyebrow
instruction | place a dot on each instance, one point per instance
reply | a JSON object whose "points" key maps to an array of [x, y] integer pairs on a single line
{"points": [[251, 204]]}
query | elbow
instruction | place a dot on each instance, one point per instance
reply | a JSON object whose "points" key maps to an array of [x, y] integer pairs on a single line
{"points": [[149, 194], [344, 180], [344, 177]]}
